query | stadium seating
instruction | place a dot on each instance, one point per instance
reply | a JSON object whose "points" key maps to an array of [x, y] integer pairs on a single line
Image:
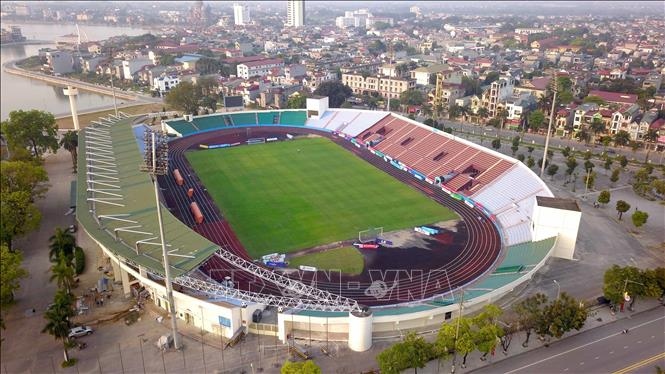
{"points": [[527, 254], [183, 127], [209, 122], [293, 118], [268, 118], [243, 119], [363, 121]]}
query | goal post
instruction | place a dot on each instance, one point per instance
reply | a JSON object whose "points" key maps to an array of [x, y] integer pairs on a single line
{"points": [[370, 234]]}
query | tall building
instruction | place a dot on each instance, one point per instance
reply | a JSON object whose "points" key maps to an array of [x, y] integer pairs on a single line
{"points": [[240, 14], [295, 13]]}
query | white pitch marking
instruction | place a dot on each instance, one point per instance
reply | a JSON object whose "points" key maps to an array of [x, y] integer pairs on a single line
{"points": [[596, 358], [611, 352], [625, 347]]}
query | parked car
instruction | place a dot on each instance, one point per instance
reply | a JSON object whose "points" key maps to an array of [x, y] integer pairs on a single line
{"points": [[72, 228], [79, 331]]}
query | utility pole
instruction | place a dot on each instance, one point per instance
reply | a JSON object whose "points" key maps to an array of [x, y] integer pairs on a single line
{"points": [[390, 72], [459, 318], [549, 128]]}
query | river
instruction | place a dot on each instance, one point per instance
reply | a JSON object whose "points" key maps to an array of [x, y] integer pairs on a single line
{"points": [[23, 93]]}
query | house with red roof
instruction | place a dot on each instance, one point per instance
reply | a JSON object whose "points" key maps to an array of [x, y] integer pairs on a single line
{"points": [[614, 97]]}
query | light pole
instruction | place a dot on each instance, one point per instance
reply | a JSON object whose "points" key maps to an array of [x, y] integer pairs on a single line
{"points": [[549, 130], [156, 163], [558, 292]]}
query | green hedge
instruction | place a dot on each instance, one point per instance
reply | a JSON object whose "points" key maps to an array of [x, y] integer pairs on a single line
{"points": [[79, 260]]}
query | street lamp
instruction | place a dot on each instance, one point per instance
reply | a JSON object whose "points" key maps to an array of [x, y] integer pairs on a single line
{"points": [[558, 292], [156, 163]]}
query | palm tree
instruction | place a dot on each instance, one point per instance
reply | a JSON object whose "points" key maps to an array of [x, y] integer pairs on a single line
{"points": [[464, 111], [57, 317], [483, 113], [502, 114], [62, 243], [650, 137], [70, 142], [63, 274]]}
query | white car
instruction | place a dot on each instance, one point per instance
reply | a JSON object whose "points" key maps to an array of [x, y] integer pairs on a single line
{"points": [[79, 331]]}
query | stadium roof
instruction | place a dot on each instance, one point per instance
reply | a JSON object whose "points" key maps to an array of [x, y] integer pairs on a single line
{"points": [[119, 223]]}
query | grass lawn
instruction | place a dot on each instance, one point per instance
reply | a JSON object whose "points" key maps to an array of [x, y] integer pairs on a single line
{"points": [[286, 196], [347, 260]]}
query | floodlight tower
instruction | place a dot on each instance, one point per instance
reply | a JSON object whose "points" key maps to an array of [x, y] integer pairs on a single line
{"points": [[156, 162], [72, 92]]}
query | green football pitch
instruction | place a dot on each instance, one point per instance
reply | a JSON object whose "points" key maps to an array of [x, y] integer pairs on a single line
{"points": [[286, 196]]}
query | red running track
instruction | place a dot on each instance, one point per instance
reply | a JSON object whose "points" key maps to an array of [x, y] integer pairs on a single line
{"points": [[478, 254]]}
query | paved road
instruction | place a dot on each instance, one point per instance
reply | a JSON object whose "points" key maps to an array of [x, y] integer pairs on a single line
{"points": [[601, 350]]}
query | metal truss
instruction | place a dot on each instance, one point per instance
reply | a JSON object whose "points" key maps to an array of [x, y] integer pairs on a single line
{"points": [[216, 290], [289, 285]]}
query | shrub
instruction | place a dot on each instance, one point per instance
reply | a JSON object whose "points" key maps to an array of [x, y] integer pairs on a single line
{"points": [[79, 260]]}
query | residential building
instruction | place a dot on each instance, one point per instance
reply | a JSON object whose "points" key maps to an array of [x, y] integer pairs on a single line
{"points": [[637, 130], [422, 75], [165, 83], [240, 14], [295, 13], [59, 62], [188, 61], [130, 67], [89, 65], [499, 91], [387, 87], [622, 118], [615, 97], [517, 107], [259, 67]]}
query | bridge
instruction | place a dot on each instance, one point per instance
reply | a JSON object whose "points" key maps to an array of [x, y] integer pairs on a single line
{"points": [[11, 68]]}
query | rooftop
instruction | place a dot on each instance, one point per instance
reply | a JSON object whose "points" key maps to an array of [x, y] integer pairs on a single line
{"points": [[558, 203]]}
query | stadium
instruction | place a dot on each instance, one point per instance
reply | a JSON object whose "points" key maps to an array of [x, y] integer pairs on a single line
{"points": [[425, 220]]}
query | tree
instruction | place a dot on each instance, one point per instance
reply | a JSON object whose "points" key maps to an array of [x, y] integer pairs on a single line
{"points": [[597, 126], [623, 161], [487, 332], [57, 317], [615, 175], [650, 137], [411, 97], [562, 315], [639, 218], [571, 164], [412, 352], [617, 280], [206, 66], [566, 152], [515, 145], [621, 138], [552, 170], [63, 274], [336, 91], [28, 176], [589, 165], [536, 119], [530, 162], [61, 246], [184, 97], [454, 111], [622, 207], [491, 77], [529, 312], [33, 129], [483, 113], [521, 157], [307, 367], [18, 216], [583, 136], [608, 163], [70, 142], [297, 101], [496, 144], [604, 197], [11, 273]]}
